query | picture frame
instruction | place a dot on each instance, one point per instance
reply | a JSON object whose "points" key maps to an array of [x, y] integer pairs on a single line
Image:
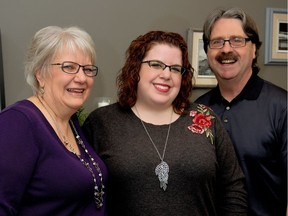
{"points": [[276, 37], [203, 76]]}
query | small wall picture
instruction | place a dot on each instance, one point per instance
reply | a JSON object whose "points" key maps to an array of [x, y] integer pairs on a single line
{"points": [[283, 37], [203, 76], [276, 36]]}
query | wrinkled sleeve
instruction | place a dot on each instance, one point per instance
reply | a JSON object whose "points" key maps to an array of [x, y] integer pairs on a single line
{"points": [[231, 193], [282, 133], [17, 159]]}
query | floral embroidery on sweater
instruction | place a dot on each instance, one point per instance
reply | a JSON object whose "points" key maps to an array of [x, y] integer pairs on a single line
{"points": [[201, 121]]}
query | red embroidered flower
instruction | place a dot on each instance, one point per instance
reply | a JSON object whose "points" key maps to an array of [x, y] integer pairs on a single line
{"points": [[202, 121], [196, 128], [193, 113]]}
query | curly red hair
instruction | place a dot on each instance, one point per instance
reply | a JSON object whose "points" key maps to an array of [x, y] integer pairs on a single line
{"points": [[128, 77]]}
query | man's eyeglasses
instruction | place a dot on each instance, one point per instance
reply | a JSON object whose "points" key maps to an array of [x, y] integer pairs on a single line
{"points": [[155, 64], [73, 68], [235, 42]]}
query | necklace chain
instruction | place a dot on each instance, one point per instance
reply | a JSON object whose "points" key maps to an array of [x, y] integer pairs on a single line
{"points": [[98, 194], [167, 136], [59, 131], [162, 169]]}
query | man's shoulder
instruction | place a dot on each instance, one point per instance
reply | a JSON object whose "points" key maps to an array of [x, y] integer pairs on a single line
{"points": [[206, 97], [274, 87], [273, 91]]}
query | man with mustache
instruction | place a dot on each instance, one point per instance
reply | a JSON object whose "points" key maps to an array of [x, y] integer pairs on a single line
{"points": [[253, 111]]}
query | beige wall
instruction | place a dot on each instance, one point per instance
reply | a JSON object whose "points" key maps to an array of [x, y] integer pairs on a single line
{"points": [[113, 24]]}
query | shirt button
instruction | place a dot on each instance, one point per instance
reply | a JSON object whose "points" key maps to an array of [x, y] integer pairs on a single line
{"points": [[227, 108], [225, 120]]}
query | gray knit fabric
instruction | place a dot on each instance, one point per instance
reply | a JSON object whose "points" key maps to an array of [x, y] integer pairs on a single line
{"points": [[204, 178]]}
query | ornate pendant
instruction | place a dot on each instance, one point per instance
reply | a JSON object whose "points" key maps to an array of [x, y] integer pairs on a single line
{"points": [[162, 171]]}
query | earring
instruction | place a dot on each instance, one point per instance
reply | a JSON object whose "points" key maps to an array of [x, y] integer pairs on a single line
{"points": [[41, 90]]}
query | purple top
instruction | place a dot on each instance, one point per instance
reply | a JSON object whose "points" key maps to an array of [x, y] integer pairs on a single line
{"points": [[39, 176]]}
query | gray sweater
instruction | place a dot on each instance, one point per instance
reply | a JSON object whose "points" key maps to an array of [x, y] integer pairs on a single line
{"points": [[204, 177]]}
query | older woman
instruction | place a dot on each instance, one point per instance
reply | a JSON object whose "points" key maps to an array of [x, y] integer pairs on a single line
{"points": [[165, 155], [46, 165]]}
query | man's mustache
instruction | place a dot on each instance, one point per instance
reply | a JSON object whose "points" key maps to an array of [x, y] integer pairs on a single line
{"points": [[226, 56]]}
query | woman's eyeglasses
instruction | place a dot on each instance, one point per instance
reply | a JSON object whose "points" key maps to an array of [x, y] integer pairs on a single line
{"points": [[73, 68], [155, 64]]}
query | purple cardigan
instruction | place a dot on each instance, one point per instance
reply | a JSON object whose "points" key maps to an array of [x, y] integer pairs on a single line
{"points": [[39, 176]]}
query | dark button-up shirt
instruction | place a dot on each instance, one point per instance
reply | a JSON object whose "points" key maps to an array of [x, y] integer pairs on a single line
{"points": [[257, 123]]}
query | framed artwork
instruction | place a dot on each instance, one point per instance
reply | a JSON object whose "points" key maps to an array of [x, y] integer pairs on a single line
{"points": [[276, 36], [2, 93], [203, 76]]}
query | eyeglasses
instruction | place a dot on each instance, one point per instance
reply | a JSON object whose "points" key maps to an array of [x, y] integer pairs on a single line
{"points": [[73, 68], [160, 65], [235, 42]]}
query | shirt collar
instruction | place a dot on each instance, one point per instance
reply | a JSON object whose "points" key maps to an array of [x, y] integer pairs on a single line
{"points": [[251, 90]]}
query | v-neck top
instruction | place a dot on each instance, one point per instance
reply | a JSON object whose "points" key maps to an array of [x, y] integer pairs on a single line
{"points": [[39, 176]]}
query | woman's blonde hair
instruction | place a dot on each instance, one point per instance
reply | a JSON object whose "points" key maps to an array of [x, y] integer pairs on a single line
{"points": [[50, 41]]}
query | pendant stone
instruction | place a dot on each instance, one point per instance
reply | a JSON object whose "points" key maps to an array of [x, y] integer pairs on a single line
{"points": [[162, 171]]}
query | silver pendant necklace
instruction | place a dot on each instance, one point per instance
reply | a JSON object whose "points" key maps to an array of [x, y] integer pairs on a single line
{"points": [[98, 193], [162, 169]]}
